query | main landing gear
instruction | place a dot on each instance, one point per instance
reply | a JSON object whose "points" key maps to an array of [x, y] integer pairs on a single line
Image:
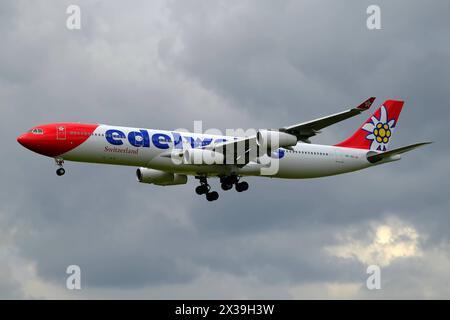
{"points": [[226, 182], [60, 171], [205, 188]]}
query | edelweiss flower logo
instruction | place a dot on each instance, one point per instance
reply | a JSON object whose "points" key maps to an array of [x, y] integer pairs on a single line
{"points": [[380, 130]]}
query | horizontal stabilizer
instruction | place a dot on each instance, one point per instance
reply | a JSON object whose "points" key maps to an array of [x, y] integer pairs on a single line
{"points": [[373, 157]]}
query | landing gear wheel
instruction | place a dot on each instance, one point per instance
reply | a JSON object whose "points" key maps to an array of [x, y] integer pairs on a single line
{"points": [[241, 186], [212, 196], [226, 186], [60, 162], [202, 189]]}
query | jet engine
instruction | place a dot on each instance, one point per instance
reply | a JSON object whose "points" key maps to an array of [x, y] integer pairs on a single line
{"points": [[269, 140], [201, 156], [160, 178]]}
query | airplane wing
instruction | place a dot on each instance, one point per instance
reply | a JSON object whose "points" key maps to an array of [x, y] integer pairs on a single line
{"points": [[303, 131], [244, 149], [376, 157]]}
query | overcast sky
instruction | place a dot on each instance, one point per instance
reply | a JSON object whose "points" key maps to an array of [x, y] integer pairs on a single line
{"points": [[231, 64]]}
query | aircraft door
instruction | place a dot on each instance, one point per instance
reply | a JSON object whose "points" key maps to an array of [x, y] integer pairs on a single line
{"points": [[339, 156], [61, 132]]}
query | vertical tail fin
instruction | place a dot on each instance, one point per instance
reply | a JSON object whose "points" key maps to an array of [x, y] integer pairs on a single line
{"points": [[376, 133]]}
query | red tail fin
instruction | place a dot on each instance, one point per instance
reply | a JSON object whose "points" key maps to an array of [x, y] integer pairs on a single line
{"points": [[377, 131]]}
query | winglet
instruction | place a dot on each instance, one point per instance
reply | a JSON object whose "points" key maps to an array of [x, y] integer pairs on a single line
{"points": [[366, 104]]}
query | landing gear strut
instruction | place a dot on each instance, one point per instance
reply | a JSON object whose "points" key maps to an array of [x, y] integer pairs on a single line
{"points": [[205, 188], [60, 163]]}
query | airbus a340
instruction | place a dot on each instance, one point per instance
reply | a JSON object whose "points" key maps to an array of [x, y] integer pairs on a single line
{"points": [[167, 158]]}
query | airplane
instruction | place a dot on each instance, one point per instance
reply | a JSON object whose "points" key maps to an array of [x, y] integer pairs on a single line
{"points": [[167, 158]]}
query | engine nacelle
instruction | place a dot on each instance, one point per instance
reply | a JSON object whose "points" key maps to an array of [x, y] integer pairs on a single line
{"points": [[202, 156], [160, 178], [269, 140]]}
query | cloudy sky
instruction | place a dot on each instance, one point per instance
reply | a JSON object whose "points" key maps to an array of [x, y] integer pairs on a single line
{"points": [[231, 64]]}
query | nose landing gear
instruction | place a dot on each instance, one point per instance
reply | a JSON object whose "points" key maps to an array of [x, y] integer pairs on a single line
{"points": [[60, 171]]}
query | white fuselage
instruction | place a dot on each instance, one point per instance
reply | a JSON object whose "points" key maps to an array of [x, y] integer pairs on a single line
{"points": [[113, 145]]}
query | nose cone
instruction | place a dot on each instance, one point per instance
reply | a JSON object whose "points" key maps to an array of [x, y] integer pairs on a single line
{"points": [[23, 140], [31, 142]]}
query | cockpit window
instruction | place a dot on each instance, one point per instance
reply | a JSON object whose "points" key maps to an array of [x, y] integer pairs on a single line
{"points": [[36, 131]]}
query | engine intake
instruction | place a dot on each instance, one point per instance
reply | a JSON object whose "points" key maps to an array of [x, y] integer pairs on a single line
{"points": [[160, 178]]}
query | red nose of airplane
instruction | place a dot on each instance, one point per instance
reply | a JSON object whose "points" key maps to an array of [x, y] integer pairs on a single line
{"points": [[23, 140], [32, 142]]}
